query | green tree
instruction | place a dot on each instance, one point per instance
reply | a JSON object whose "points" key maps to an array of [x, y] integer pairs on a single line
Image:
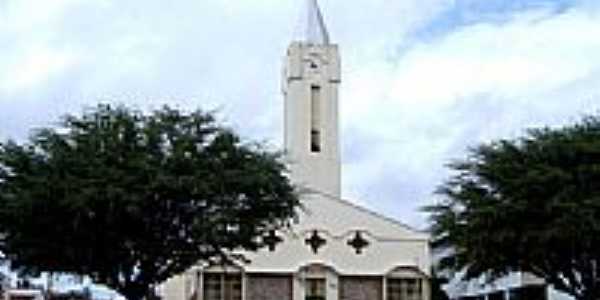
{"points": [[437, 282], [131, 199], [530, 204]]}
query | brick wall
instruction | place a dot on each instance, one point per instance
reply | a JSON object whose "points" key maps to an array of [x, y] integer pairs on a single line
{"points": [[269, 287], [361, 288]]}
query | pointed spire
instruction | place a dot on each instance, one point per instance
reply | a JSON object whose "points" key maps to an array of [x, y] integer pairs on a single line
{"points": [[312, 27]]}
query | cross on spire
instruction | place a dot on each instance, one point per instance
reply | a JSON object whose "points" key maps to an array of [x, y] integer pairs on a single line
{"points": [[312, 27]]}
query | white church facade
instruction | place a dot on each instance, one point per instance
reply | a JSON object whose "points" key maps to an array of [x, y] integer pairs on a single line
{"points": [[336, 250]]}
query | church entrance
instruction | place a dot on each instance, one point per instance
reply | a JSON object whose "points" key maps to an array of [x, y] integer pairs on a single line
{"points": [[360, 288], [269, 287]]}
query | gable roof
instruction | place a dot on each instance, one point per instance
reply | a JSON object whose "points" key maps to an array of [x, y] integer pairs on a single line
{"points": [[391, 244], [340, 217]]}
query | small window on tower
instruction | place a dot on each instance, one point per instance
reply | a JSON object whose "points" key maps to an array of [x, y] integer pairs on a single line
{"points": [[315, 122], [315, 137]]}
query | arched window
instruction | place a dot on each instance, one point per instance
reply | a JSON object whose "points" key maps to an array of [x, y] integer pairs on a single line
{"points": [[315, 289], [405, 283], [404, 289], [224, 284], [315, 281]]}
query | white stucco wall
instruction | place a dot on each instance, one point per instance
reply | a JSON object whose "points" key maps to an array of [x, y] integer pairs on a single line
{"points": [[391, 244], [319, 171], [175, 288]]}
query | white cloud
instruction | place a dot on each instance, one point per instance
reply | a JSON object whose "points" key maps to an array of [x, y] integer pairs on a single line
{"points": [[32, 68], [29, 15], [477, 83], [407, 105], [521, 58]]}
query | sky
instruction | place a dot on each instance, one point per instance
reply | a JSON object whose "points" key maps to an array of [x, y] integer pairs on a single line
{"points": [[423, 80]]}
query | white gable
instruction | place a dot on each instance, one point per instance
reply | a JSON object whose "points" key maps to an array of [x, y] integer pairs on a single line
{"points": [[391, 244], [339, 216]]}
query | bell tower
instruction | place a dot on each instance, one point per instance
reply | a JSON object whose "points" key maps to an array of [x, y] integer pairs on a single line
{"points": [[310, 84]]}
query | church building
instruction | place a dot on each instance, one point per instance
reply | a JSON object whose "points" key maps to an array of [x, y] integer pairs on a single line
{"points": [[336, 250]]}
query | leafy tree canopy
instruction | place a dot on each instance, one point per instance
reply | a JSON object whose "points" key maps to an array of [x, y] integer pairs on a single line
{"points": [[531, 204], [131, 199]]}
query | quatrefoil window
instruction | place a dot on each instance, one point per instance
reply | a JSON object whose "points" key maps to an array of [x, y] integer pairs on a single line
{"points": [[315, 241], [358, 242], [271, 240]]}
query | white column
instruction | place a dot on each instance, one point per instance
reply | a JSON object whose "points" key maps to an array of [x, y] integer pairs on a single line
{"points": [[426, 288]]}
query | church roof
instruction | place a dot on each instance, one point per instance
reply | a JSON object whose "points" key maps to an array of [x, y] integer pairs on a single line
{"points": [[339, 216], [311, 28]]}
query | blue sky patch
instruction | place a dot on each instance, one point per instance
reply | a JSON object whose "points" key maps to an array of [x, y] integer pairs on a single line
{"points": [[469, 12]]}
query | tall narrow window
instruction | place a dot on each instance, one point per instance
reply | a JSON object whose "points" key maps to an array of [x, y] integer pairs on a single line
{"points": [[232, 287], [315, 118], [222, 287], [212, 287], [315, 289], [404, 289]]}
